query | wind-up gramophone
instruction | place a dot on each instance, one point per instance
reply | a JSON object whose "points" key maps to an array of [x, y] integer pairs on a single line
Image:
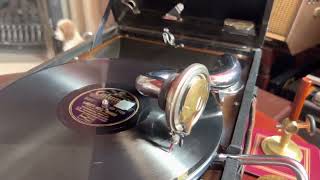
{"points": [[165, 93]]}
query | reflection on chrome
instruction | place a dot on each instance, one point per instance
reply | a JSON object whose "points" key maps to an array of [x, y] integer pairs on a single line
{"points": [[264, 160], [182, 96], [227, 74], [226, 78]]}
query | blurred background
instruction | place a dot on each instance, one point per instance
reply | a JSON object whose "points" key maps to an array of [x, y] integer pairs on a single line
{"points": [[27, 29]]}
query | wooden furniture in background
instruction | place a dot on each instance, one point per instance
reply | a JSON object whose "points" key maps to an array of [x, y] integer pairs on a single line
{"points": [[296, 22], [268, 57], [271, 53], [274, 106], [304, 33], [282, 17]]}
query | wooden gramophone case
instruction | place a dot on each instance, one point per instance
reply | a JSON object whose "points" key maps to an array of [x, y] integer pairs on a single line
{"points": [[200, 36]]}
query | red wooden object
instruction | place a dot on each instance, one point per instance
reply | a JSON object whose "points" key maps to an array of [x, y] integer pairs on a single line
{"points": [[303, 92]]}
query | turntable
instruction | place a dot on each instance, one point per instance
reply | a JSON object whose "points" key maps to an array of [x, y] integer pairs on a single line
{"points": [[164, 94]]}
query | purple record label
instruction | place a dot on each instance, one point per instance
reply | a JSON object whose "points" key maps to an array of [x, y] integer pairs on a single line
{"points": [[103, 107]]}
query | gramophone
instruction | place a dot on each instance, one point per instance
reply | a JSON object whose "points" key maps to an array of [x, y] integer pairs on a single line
{"points": [[165, 93]]}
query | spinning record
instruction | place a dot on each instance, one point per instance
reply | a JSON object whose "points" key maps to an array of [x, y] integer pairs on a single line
{"points": [[85, 120]]}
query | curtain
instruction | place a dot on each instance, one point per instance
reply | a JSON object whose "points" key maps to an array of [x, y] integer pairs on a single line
{"points": [[86, 14]]}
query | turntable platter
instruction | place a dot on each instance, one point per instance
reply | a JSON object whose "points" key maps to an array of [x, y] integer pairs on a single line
{"points": [[39, 140]]}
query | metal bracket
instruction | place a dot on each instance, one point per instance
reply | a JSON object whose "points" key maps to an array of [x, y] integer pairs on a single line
{"points": [[175, 13], [168, 38], [132, 5]]}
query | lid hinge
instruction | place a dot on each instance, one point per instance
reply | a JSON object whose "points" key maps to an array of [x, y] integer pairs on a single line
{"points": [[169, 39]]}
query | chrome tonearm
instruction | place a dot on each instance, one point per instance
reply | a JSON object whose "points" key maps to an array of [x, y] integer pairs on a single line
{"points": [[226, 80], [265, 160], [223, 80], [171, 87], [183, 95]]}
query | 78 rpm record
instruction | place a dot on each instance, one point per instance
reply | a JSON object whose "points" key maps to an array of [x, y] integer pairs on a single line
{"points": [[52, 127]]}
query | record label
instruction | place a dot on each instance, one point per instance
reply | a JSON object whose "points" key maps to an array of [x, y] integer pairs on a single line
{"points": [[103, 107]]}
